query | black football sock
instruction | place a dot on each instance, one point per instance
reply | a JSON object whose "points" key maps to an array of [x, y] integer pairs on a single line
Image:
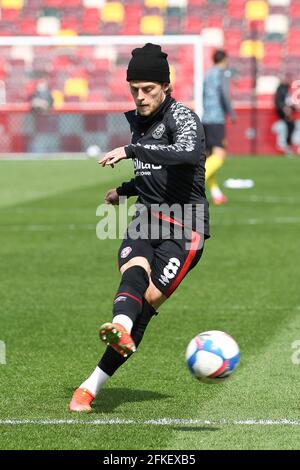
{"points": [[129, 298]]}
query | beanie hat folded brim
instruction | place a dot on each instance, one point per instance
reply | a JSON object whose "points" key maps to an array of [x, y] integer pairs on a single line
{"points": [[149, 63], [144, 74]]}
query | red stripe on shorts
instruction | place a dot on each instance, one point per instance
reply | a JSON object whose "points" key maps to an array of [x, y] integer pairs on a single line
{"points": [[196, 239]]}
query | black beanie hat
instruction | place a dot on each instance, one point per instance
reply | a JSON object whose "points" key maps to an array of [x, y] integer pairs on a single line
{"points": [[149, 63]]}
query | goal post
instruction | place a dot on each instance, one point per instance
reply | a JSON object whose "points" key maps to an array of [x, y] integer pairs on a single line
{"points": [[87, 77]]}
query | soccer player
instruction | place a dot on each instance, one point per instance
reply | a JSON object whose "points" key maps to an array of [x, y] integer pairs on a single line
{"points": [[168, 150], [285, 109], [216, 104]]}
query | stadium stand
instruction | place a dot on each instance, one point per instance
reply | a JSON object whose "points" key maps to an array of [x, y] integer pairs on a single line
{"points": [[223, 23], [268, 30]]}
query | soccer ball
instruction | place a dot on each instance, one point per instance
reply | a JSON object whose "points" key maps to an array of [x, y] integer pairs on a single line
{"points": [[212, 356], [93, 151]]}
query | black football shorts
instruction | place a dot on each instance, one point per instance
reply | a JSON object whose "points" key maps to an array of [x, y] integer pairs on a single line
{"points": [[214, 136], [171, 257]]}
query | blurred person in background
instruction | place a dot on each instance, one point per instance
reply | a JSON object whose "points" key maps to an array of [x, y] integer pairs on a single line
{"points": [[41, 102], [216, 105], [285, 109], [42, 99]]}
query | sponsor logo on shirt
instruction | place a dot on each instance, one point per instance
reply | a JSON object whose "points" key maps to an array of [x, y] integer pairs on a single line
{"points": [[169, 271], [144, 169]]}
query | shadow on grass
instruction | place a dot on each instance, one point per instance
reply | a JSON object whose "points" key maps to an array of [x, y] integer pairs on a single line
{"points": [[109, 399]]}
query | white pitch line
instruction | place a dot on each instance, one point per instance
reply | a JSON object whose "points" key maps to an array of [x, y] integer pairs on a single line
{"points": [[156, 422], [267, 199], [276, 220], [46, 228], [75, 227], [47, 157], [270, 199]]}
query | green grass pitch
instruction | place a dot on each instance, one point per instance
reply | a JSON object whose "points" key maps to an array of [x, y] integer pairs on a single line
{"points": [[57, 282]]}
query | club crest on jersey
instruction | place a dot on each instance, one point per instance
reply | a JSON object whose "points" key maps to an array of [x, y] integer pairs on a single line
{"points": [[158, 132], [126, 251]]}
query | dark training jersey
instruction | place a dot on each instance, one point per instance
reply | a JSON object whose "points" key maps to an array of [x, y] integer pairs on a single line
{"points": [[168, 152]]}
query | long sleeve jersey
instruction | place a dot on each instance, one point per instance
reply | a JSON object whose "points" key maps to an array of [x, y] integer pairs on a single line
{"points": [[216, 96], [167, 149]]}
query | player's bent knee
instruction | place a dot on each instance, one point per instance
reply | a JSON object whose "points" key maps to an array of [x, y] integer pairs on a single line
{"points": [[137, 261], [154, 296], [219, 152]]}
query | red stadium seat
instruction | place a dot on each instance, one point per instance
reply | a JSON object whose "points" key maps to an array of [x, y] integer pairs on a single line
{"points": [[133, 12], [90, 14], [214, 22], [257, 27], [236, 8], [74, 4], [61, 62], [90, 28], [130, 28], [193, 25], [9, 14], [233, 39], [294, 10], [70, 23], [52, 3], [101, 65], [27, 26], [293, 42], [198, 2], [273, 49]]}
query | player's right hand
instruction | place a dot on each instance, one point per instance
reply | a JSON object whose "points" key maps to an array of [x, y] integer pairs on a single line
{"points": [[113, 157], [112, 197]]}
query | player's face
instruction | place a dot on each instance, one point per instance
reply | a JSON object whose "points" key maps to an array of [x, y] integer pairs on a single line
{"points": [[148, 96]]}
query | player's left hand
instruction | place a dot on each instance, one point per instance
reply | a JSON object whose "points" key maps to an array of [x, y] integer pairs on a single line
{"points": [[113, 157]]}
